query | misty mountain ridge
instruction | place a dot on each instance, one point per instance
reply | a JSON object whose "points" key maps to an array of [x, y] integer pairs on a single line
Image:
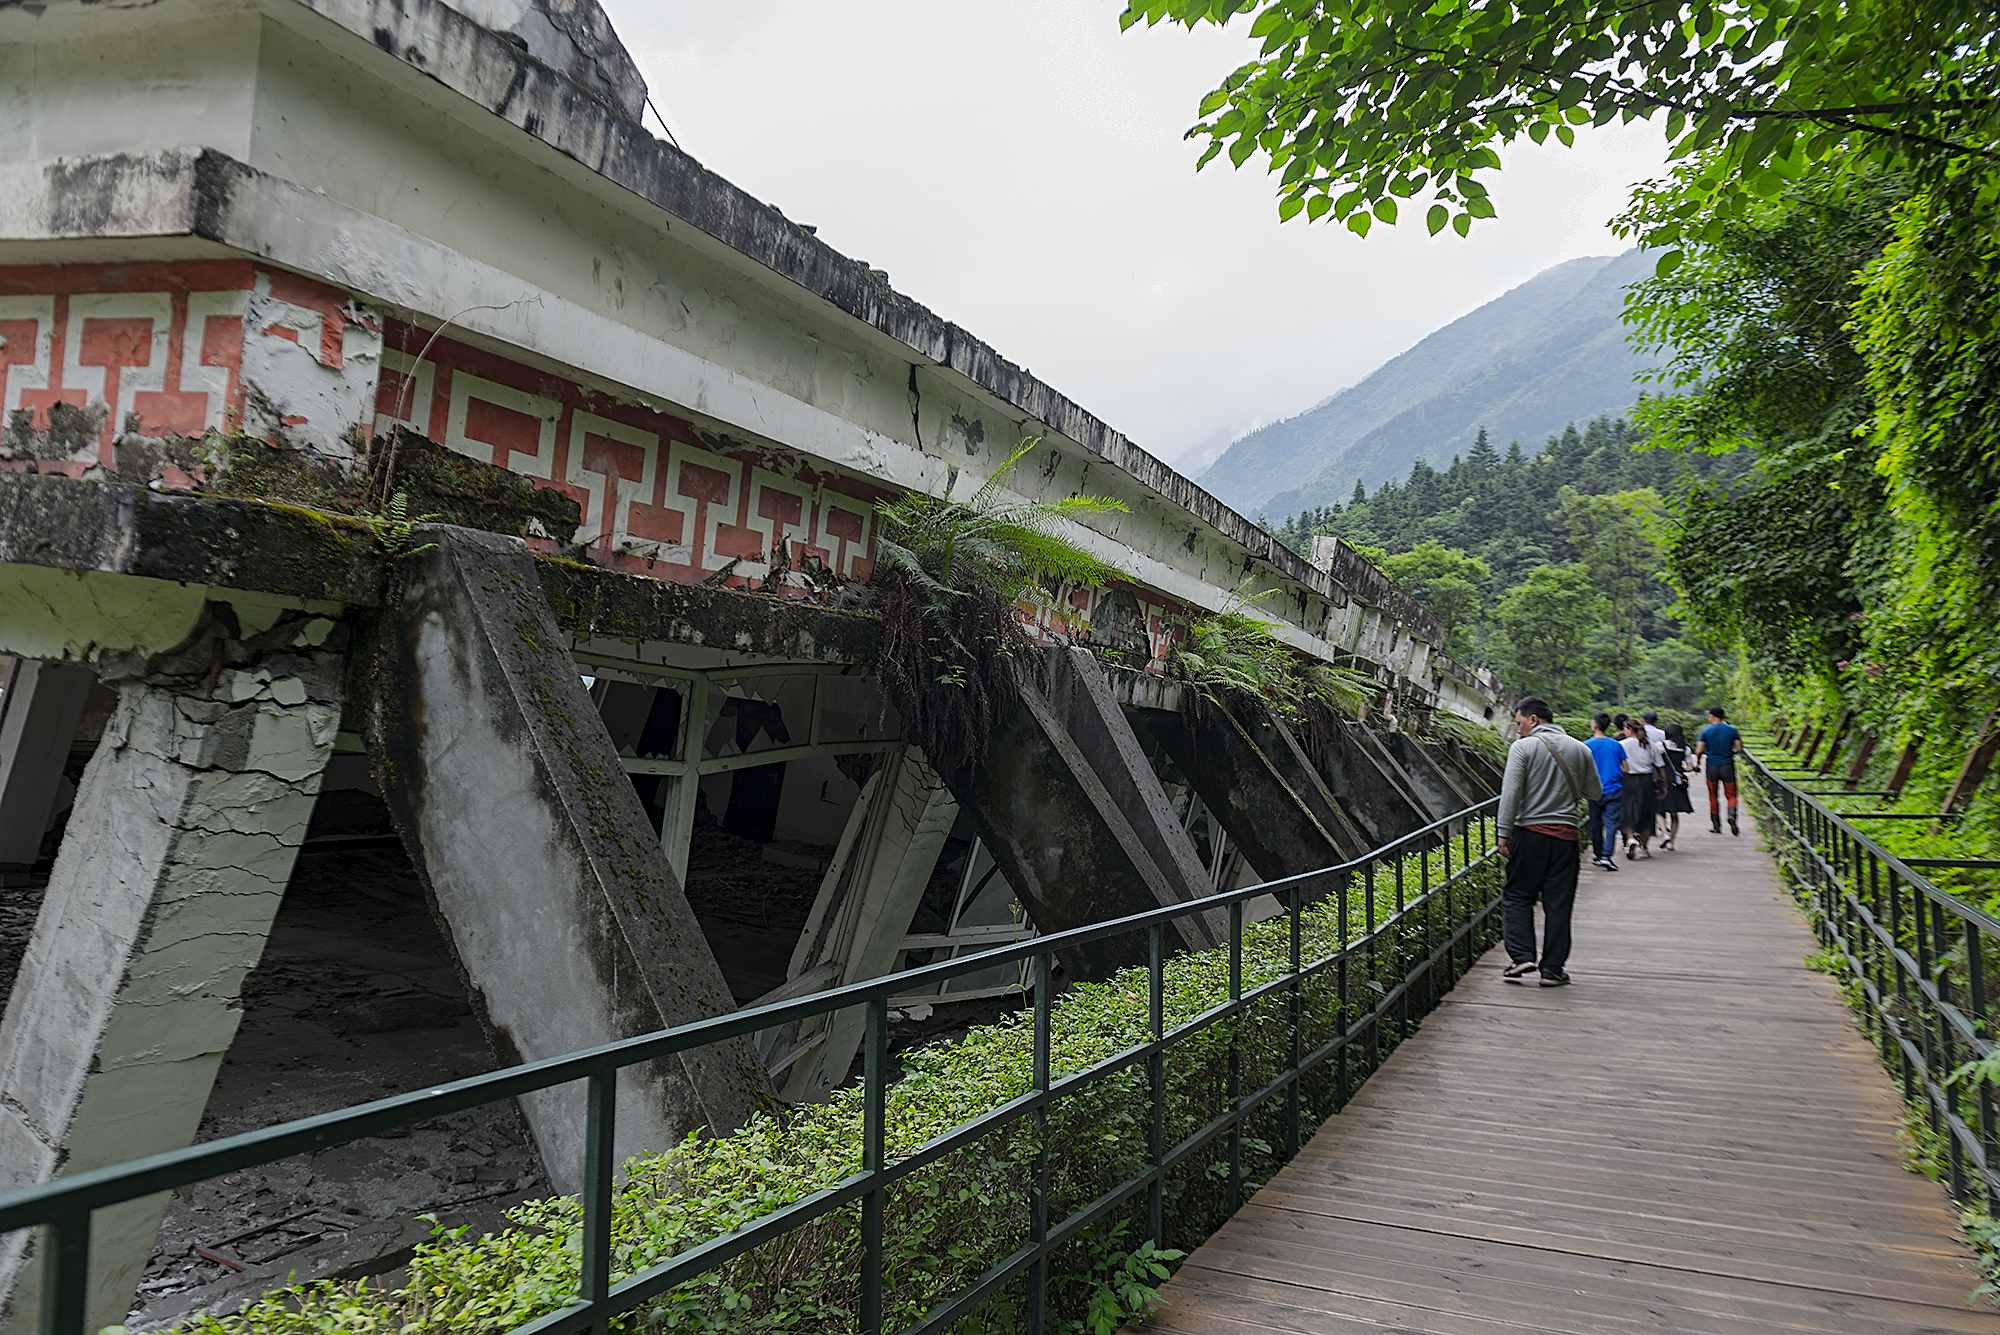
{"points": [[1526, 364]]}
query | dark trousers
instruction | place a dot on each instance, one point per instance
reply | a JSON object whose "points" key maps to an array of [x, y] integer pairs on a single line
{"points": [[1604, 824], [1542, 867]]}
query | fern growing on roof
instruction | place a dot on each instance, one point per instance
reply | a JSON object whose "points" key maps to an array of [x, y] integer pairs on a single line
{"points": [[951, 581]]}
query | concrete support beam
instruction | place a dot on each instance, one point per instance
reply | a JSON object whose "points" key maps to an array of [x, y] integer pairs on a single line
{"points": [[1371, 787], [1064, 843], [1265, 815], [1440, 789], [38, 716], [866, 901], [186, 826], [565, 918], [1478, 768], [1281, 746], [1082, 700]]}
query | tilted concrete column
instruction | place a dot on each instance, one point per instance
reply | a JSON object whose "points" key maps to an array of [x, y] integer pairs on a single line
{"points": [[866, 901], [1082, 701], [1478, 780], [1282, 748], [1440, 790], [1063, 842], [1369, 786], [186, 826], [561, 909], [38, 716], [1264, 815]]}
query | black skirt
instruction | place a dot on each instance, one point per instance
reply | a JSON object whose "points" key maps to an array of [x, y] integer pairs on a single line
{"points": [[1677, 798], [1635, 810]]}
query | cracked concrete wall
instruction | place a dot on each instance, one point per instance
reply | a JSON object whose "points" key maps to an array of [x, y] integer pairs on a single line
{"points": [[547, 224], [561, 908], [186, 826]]}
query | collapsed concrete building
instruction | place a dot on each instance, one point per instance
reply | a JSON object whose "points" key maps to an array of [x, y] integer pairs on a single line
{"points": [[277, 278]]}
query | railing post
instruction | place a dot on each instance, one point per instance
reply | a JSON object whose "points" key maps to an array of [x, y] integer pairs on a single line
{"points": [[1156, 1082], [599, 1160], [65, 1273], [1235, 1055], [1975, 1002], [1297, 907], [874, 1137], [1038, 1196]]}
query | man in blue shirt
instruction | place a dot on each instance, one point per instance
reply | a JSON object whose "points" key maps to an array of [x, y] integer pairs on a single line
{"points": [[1610, 760], [1719, 744]]}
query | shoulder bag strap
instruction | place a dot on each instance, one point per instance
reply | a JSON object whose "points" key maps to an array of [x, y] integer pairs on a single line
{"points": [[1575, 793]]}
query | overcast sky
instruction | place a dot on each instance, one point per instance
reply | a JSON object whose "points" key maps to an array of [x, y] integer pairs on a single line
{"points": [[1019, 168]]}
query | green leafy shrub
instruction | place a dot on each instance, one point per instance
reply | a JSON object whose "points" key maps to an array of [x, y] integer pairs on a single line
{"points": [[951, 1221]]}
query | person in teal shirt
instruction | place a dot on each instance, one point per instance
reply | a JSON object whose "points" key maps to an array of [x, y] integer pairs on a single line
{"points": [[1718, 745]]}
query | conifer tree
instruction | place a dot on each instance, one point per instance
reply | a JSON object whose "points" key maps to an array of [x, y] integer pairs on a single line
{"points": [[1484, 458]]}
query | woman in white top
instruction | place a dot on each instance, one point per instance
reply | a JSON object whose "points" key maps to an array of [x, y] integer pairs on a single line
{"points": [[1636, 810]]}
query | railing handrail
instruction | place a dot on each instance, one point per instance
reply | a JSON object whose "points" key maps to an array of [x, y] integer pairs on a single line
{"points": [[1944, 898], [1913, 959], [309, 1133], [64, 1204]]}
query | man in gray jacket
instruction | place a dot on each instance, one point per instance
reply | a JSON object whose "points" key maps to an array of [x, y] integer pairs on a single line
{"points": [[1550, 776]]}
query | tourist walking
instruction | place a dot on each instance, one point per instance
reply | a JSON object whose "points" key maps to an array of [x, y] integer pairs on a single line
{"points": [[1550, 779], [1636, 800], [1718, 745], [1610, 758], [1674, 801]]}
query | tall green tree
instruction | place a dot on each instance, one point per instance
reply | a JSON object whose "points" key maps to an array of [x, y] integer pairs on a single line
{"points": [[1545, 628], [1447, 583], [1610, 535]]}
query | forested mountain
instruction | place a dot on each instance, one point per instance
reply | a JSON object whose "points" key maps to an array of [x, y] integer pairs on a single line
{"points": [[1549, 352], [1543, 566]]}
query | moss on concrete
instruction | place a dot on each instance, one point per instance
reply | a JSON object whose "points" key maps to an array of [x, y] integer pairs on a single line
{"points": [[634, 609]]}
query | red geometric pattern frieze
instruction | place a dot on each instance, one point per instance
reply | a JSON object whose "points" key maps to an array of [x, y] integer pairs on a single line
{"points": [[655, 497], [156, 348]]}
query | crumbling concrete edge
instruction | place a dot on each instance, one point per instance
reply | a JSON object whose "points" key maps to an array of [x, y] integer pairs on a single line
{"points": [[64, 523]]}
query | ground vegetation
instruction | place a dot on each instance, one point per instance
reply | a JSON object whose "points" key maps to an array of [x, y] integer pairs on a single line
{"points": [[951, 1221]]}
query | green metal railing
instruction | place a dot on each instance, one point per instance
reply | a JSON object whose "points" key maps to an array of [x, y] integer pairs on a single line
{"points": [[1416, 899], [1921, 967]]}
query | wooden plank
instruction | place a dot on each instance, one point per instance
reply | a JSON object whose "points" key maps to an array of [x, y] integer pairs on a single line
{"points": [[1695, 1137]]}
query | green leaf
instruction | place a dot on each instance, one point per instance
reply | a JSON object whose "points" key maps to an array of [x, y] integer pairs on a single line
{"points": [[1462, 223], [1385, 209], [1359, 223], [1437, 218]]}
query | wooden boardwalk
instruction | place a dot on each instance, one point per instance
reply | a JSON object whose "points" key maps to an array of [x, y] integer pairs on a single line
{"points": [[1693, 1138]]}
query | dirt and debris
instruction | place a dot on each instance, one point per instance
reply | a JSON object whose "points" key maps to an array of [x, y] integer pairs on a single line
{"points": [[355, 999], [752, 900], [18, 906]]}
